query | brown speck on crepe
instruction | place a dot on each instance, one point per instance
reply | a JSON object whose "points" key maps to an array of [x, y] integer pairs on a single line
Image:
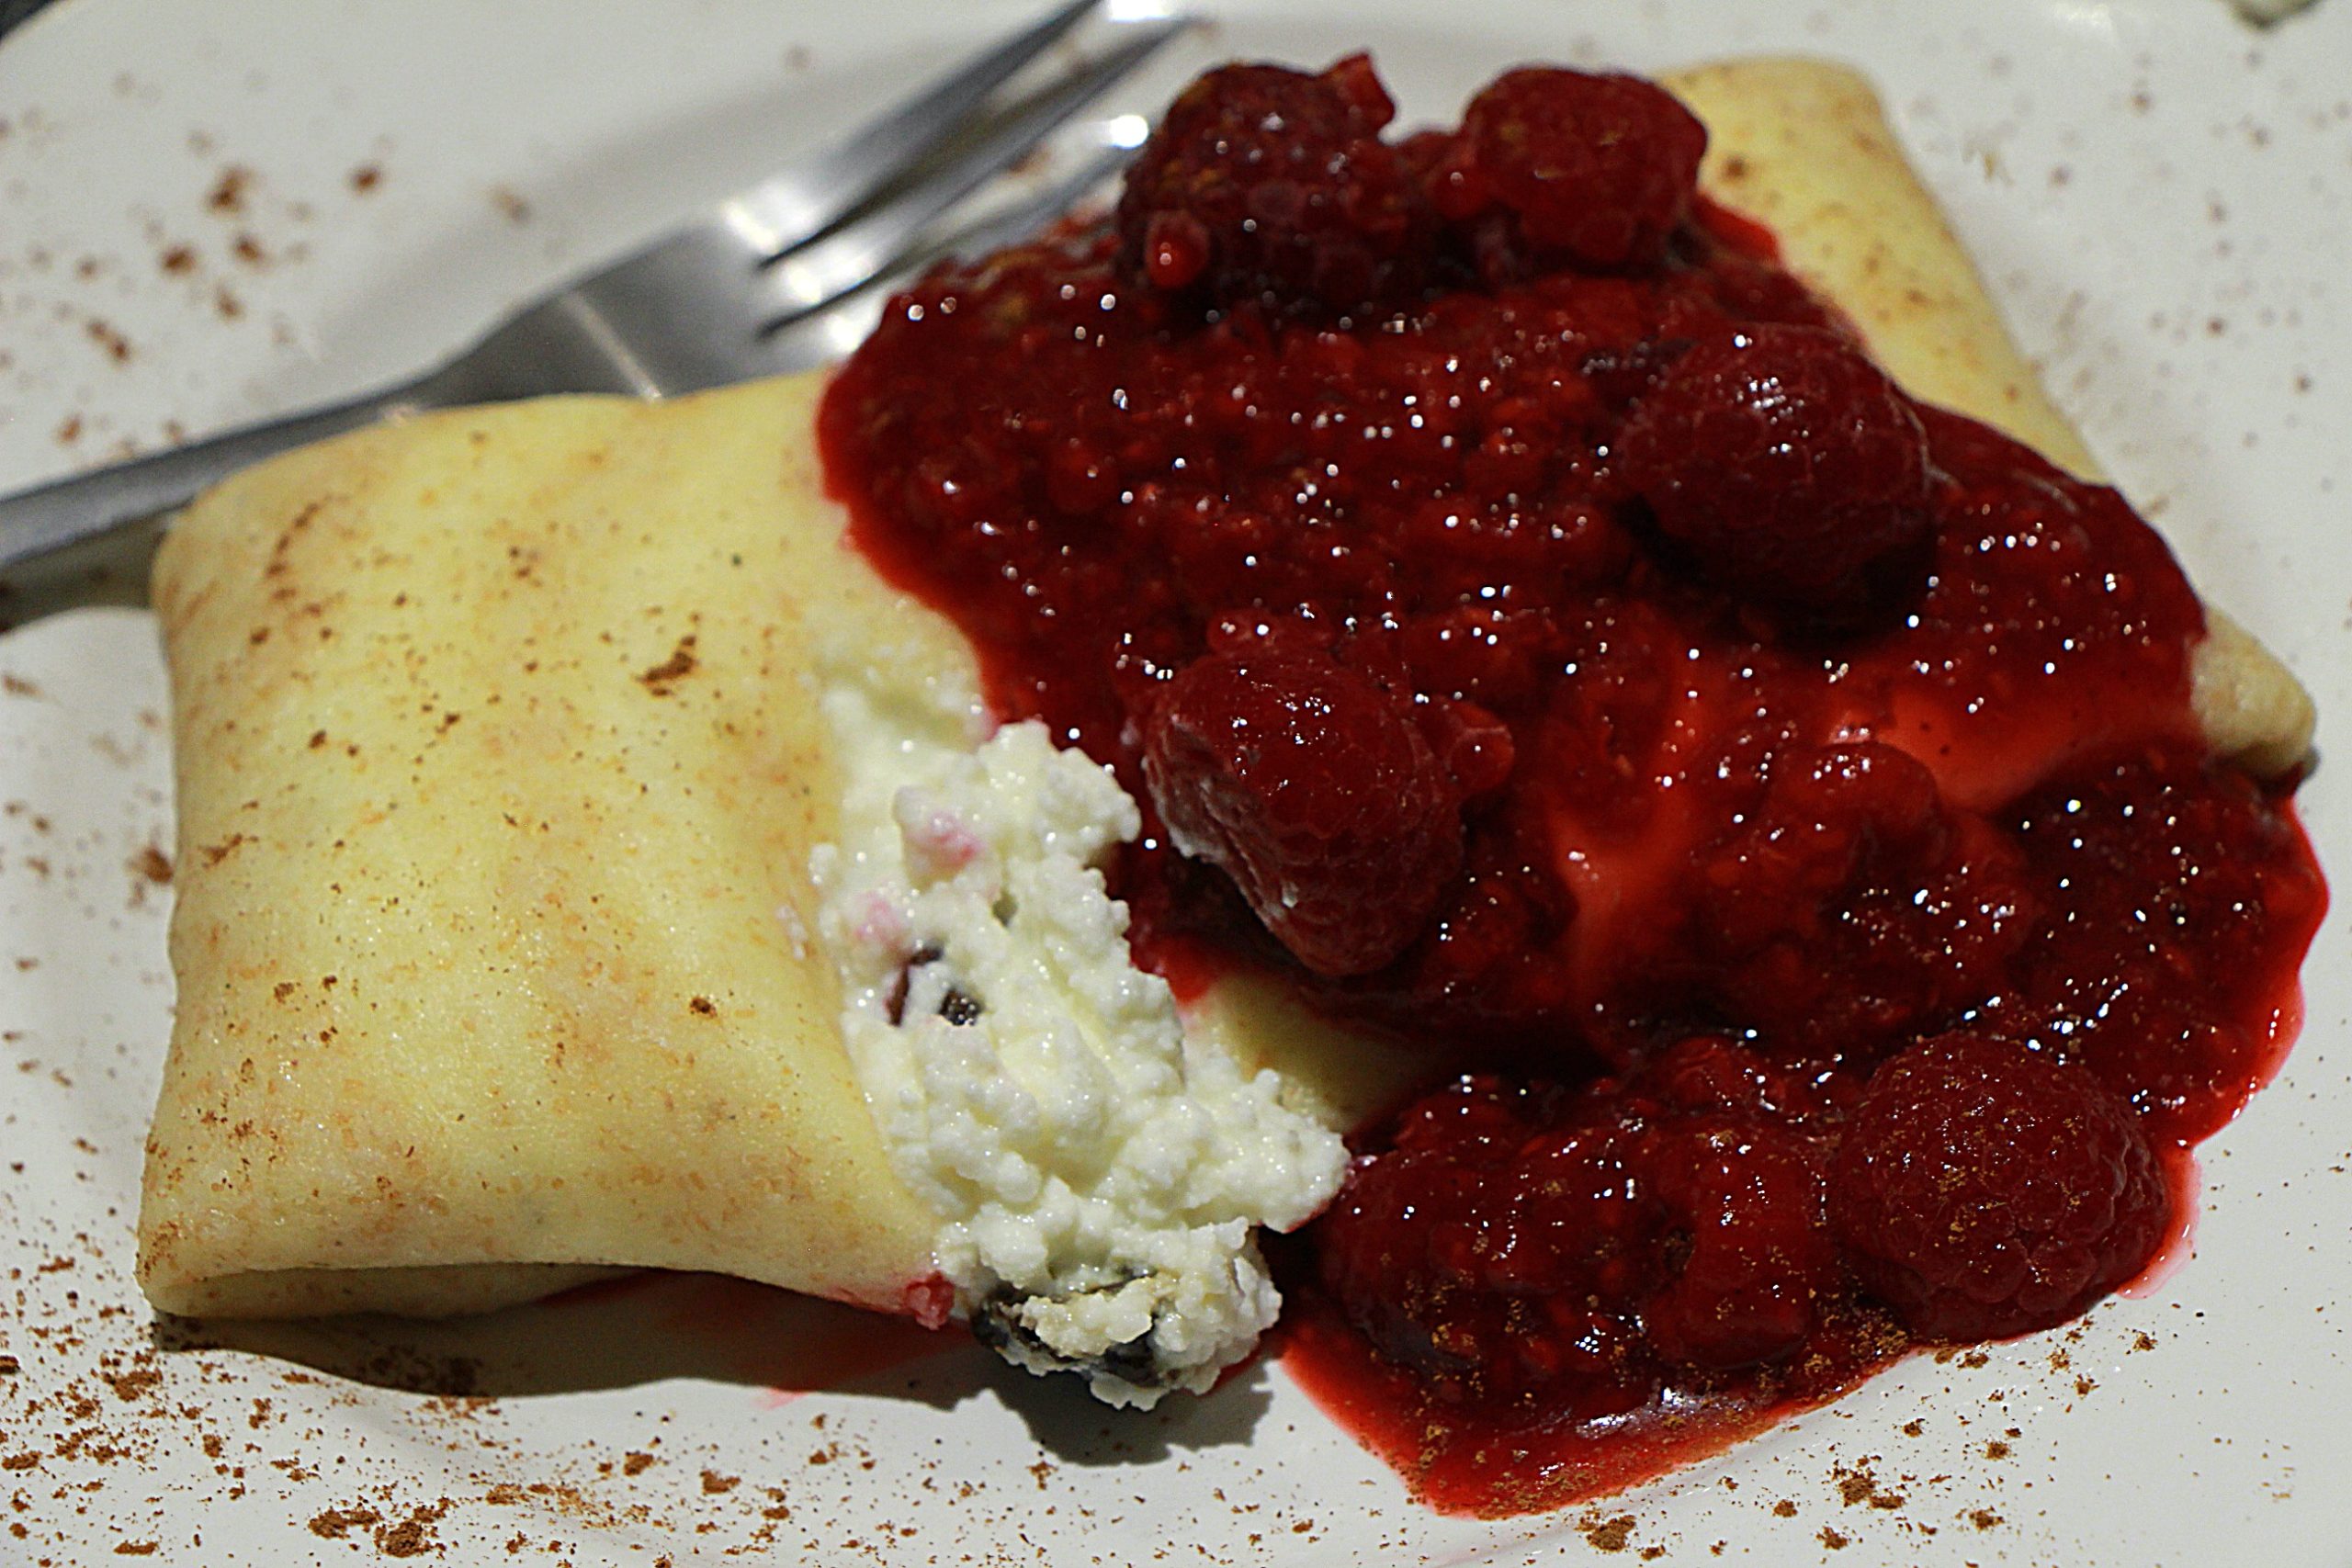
{"points": [[571, 1023]]}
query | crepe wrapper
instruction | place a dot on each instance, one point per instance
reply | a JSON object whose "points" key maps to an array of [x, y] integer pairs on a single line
{"points": [[498, 775]]}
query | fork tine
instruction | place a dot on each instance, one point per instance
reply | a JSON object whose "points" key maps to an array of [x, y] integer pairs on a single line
{"points": [[832, 331], [810, 277], [1021, 220], [822, 189]]}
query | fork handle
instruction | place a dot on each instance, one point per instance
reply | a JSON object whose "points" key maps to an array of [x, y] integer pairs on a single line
{"points": [[68, 511]]}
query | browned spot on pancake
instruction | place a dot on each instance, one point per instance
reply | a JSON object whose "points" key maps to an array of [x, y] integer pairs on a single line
{"points": [[663, 677], [215, 853], [294, 526]]}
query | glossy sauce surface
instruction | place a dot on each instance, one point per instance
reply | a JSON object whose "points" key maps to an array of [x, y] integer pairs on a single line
{"points": [[1535, 629]]}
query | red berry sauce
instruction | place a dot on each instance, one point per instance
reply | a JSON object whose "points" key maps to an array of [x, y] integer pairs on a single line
{"points": [[1535, 628]]}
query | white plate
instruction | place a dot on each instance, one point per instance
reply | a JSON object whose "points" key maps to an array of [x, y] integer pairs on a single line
{"points": [[2160, 199]]}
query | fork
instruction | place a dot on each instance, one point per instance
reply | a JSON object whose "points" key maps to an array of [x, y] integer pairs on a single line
{"points": [[768, 281]]}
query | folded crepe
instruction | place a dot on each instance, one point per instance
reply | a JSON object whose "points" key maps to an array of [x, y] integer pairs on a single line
{"points": [[542, 772], [498, 775]]}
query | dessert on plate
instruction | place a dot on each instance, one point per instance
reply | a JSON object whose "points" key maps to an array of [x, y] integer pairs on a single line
{"points": [[1544, 707]]}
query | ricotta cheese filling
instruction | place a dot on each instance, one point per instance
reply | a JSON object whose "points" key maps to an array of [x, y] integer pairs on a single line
{"points": [[1099, 1174]]}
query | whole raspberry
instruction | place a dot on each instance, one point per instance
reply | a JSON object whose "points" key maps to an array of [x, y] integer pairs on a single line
{"points": [[1493, 1255], [1403, 1250], [1759, 1260], [1533, 1237], [1310, 786], [1269, 186], [1598, 168], [1787, 466], [1983, 1191], [1852, 906]]}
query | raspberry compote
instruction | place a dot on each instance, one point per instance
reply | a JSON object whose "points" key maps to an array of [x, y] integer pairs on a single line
{"points": [[1775, 807]]}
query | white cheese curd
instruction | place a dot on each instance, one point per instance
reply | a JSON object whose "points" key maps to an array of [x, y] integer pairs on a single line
{"points": [[1099, 1177]]}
